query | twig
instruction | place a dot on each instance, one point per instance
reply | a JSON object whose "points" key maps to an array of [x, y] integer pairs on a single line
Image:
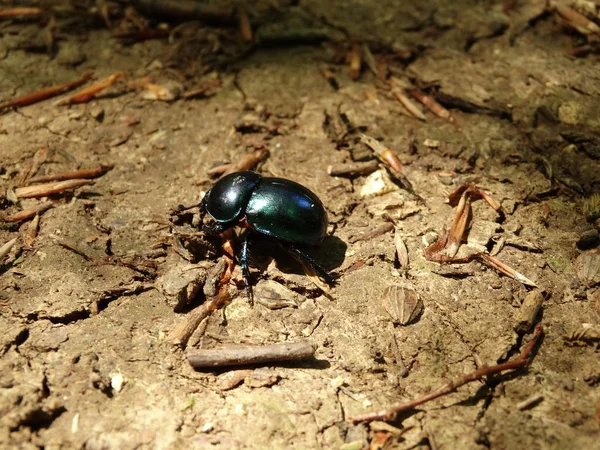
{"points": [[379, 231], [46, 93], [410, 106], [506, 270], [485, 371], [5, 249], [249, 354], [186, 10], [355, 61], [529, 402], [181, 334], [9, 13], [42, 190], [246, 162], [397, 87], [430, 103], [29, 212], [390, 159], [245, 25], [32, 231], [576, 19], [204, 91], [90, 92], [76, 174], [370, 60], [353, 169]]}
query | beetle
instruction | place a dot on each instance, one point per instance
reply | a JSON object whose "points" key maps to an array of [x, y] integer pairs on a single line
{"points": [[276, 207]]}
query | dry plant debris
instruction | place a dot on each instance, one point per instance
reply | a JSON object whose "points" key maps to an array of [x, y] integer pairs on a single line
{"points": [[445, 248], [523, 360], [90, 92], [46, 93]]}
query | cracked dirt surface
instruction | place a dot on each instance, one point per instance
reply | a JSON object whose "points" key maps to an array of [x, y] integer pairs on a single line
{"points": [[84, 361]]}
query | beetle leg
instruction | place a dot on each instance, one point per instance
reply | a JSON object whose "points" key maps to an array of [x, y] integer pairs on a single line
{"points": [[322, 273], [246, 270]]}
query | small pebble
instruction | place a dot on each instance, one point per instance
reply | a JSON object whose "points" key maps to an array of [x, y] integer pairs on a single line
{"points": [[431, 143]]}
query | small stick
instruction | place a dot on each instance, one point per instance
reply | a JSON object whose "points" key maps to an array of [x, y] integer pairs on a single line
{"points": [[200, 92], [389, 158], [32, 231], [90, 92], [246, 162], [5, 249], [370, 60], [43, 94], [355, 61], [506, 270], [143, 35], [42, 190], [249, 354], [353, 169], [245, 25], [529, 402], [384, 153], [29, 212], [429, 102], [410, 106], [181, 334], [9, 13], [379, 231], [76, 174], [484, 371], [577, 20], [186, 10], [459, 225]]}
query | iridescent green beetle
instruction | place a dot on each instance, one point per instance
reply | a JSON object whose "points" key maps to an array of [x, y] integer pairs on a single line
{"points": [[275, 207]]}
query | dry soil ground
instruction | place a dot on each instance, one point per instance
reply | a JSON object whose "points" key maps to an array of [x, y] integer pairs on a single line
{"points": [[85, 362]]}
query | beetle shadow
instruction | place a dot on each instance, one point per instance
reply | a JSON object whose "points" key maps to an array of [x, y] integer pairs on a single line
{"points": [[329, 255]]}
